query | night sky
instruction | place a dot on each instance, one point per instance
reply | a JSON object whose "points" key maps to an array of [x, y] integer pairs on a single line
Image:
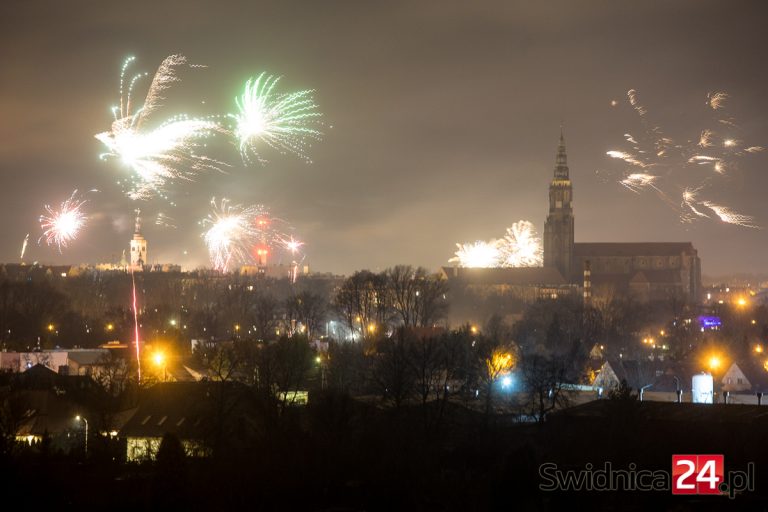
{"points": [[442, 119]]}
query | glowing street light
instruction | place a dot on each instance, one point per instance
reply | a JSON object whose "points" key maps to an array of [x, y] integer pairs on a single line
{"points": [[51, 327], [110, 327], [758, 349], [159, 359], [82, 418], [714, 363]]}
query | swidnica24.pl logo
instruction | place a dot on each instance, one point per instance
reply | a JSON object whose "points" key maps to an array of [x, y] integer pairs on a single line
{"points": [[690, 474]]}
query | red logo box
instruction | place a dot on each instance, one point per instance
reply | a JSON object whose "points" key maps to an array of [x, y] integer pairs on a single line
{"points": [[697, 474]]}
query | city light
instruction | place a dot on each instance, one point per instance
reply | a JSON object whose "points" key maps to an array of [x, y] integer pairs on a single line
{"points": [[158, 358], [500, 363], [110, 327], [758, 349], [714, 362]]}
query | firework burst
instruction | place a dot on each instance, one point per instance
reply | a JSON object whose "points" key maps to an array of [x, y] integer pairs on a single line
{"points": [[61, 226], [520, 247], [242, 235], [655, 162], [285, 122], [229, 234], [161, 154]]}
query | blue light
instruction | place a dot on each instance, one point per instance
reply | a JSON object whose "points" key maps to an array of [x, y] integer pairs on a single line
{"points": [[710, 322]]}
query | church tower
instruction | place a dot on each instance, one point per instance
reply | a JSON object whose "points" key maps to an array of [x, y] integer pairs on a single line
{"points": [[558, 230], [138, 246]]}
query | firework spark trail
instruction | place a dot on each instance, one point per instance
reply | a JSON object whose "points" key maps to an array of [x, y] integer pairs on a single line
{"points": [[165, 153], [165, 221], [627, 157], [520, 247], [728, 216], [136, 326], [715, 100], [705, 140], [655, 162], [61, 226], [24, 247], [690, 200], [637, 182], [284, 122]]}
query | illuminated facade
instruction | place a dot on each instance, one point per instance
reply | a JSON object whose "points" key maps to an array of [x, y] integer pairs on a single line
{"points": [[138, 246]]}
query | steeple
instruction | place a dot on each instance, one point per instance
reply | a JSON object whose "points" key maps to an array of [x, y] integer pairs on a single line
{"points": [[558, 230], [138, 246], [561, 161]]}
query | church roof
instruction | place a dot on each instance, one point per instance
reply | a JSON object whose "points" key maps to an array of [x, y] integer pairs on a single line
{"points": [[632, 249], [522, 276]]}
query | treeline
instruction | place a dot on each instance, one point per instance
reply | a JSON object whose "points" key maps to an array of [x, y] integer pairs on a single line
{"points": [[91, 307]]}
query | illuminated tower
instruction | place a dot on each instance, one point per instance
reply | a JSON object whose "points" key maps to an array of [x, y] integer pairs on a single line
{"points": [[138, 246], [558, 230]]}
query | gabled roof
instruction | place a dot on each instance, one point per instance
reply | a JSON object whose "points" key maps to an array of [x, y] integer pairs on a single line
{"points": [[522, 276], [42, 377], [186, 409], [755, 373], [48, 412]]}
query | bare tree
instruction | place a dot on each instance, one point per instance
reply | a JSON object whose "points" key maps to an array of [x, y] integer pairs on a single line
{"points": [[308, 308], [392, 372], [544, 380], [363, 302]]}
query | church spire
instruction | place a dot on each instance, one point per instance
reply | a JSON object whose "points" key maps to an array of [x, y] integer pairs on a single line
{"points": [[561, 162], [137, 225]]}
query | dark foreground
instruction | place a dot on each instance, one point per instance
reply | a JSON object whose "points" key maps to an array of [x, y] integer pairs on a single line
{"points": [[339, 455]]}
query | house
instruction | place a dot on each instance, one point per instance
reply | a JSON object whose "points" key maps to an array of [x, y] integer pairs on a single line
{"points": [[744, 380], [196, 412]]}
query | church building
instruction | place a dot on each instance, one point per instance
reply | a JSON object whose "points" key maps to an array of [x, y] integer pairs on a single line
{"points": [[644, 270]]}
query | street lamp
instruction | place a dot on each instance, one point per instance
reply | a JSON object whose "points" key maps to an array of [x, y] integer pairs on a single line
{"points": [[159, 359], [82, 418]]}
